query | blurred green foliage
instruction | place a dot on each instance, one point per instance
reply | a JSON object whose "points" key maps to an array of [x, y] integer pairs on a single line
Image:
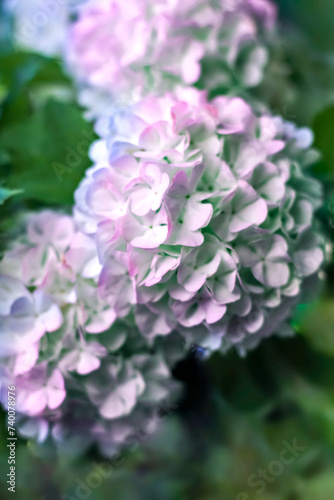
{"points": [[238, 418], [44, 138]]}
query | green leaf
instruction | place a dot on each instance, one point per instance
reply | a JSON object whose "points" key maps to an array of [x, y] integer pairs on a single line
{"points": [[7, 193], [49, 153]]}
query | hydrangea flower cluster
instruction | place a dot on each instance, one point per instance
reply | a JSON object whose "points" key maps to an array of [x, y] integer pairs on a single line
{"points": [[203, 217], [194, 227], [169, 41], [62, 345]]}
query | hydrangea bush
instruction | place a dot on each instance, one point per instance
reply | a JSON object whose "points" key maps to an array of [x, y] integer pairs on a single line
{"points": [[79, 373], [194, 226], [203, 216]]}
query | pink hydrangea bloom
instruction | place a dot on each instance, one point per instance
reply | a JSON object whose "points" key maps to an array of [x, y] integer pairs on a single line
{"points": [[63, 264], [169, 39], [204, 212], [48, 314]]}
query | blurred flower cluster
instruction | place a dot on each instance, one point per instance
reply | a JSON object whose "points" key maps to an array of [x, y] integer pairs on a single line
{"points": [[120, 52], [61, 345], [194, 227]]}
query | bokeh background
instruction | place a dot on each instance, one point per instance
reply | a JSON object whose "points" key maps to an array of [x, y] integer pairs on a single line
{"points": [[237, 415]]}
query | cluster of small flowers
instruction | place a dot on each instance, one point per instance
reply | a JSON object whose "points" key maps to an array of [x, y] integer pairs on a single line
{"points": [[51, 314], [203, 217], [118, 52], [170, 39], [195, 225]]}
